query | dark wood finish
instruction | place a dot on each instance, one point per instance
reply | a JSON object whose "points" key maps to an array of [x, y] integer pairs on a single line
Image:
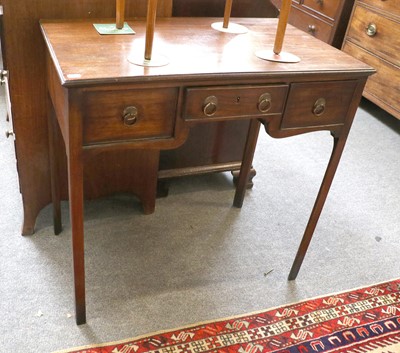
{"points": [[298, 113], [373, 36], [216, 8], [104, 109], [273, 89], [246, 166], [236, 102], [326, 20]]}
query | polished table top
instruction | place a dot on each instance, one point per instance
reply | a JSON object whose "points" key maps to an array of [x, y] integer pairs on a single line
{"points": [[192, 47]]}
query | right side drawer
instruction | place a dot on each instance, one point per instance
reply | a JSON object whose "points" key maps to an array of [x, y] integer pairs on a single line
{"points": [[318, 104]]}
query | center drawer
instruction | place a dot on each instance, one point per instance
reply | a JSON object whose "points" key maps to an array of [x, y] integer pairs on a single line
{"points": [[228, 102], [118, 115]]}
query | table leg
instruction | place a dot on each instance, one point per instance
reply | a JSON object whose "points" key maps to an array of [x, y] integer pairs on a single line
{"points": [[75, 188], [54, 138], [75, 182], [338, 147], [247, 161]]}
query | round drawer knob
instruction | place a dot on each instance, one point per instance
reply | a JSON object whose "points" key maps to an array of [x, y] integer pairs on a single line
{"points": [[311, 29], [130, 115], [371, 29], [210, 106], [264, 103], [319, 107]]}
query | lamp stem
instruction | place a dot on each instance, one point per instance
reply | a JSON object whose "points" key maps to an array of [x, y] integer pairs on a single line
{"points": [[120, 17], [227, 13], [151, 22], [283, 19]]}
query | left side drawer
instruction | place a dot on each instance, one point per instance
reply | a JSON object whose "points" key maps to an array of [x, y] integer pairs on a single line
{"points": [[151, 112]]}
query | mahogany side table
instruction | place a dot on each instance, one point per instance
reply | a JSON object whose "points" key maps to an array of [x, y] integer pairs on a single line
{"points": [[99, 101]]}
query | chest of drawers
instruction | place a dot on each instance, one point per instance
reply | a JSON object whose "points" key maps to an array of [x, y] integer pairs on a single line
{"points": [[373, 36]]}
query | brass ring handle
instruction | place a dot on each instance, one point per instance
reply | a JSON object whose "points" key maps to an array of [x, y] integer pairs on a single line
{"points": [[264, 103], [319, 107], [210, 106], [371, 29], [130, 115]]}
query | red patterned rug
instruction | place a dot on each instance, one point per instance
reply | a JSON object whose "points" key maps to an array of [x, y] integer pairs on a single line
{"points": [[359, 321]]}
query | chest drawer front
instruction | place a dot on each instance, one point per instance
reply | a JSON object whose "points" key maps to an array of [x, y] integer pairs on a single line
{"points": [[224, 103], [327, 8], [314, 104], [310, 24], [128, 114], [376, 33], [383, 86], [391, 6]]}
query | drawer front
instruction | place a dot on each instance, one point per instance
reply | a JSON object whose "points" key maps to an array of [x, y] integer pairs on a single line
{"points": [[376, 33], [391, 6], [314, 104], [128, 114], [310, 24], [221, 103], [327, 8], [384, 85]]}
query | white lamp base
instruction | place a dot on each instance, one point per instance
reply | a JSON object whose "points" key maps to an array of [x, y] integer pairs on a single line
{"points": [[155, 61], [232, 28], [282, 57]]}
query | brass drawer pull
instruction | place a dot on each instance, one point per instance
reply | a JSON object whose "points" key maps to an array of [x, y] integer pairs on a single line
{"points": [[319, 107], [320, 2], [371, 29], [210, 105], [264, 103], [311, 29], [130, 115]]}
